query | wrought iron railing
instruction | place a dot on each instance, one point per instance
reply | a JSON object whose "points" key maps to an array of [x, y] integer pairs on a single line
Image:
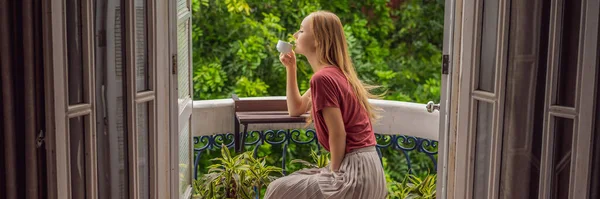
{"points": [[401, 143]]}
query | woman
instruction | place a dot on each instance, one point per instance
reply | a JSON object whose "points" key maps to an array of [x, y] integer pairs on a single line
{"points": [[342, 115]]}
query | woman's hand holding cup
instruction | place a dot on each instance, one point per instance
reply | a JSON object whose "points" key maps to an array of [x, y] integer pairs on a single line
{"points": [[287, 56], [288, 60]]}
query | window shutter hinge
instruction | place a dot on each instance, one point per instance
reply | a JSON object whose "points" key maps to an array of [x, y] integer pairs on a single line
{"points": [[40, 139], [445, 64], [174, 67]]}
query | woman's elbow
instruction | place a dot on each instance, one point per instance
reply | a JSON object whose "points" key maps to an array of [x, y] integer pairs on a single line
{"points": [[295, 110], [294, 113]]}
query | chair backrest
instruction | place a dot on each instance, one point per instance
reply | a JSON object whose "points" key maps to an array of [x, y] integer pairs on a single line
{"points": [[249, 105]]}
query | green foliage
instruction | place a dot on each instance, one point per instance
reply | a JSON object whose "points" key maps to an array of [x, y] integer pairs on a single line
{"points": [[246, 88], [320, 160], [396, 46], [209, 80], [395, 163], [413, 187], [235, 176]]}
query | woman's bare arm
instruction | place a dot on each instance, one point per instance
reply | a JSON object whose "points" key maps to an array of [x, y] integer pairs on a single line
{"points": [[297, 104], [337, 135], [302, 107]]}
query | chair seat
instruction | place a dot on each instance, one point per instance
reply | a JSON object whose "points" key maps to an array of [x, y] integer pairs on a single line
{"points": [[262, 117]]}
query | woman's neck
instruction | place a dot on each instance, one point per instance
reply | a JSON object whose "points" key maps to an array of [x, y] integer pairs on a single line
{"points": [[315, 64]]}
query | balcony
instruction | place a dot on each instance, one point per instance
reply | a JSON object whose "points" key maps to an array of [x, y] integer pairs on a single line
{"points": [[406, 131]]}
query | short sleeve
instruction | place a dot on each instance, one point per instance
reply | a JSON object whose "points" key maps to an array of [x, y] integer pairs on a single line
{"points": [[325, 92]]}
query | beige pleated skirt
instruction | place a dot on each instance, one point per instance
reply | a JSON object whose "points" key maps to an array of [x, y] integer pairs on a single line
{"points": [[360, 177]]}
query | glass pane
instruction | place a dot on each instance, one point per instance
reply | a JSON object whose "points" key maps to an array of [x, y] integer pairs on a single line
{"points": [[563, 138], [482, 149], [77, 136], [540, 95], [141, 45], [143, 148], [489, 33], [521, 149], [181, 5], [112, 145], [183, 73], [74, 52], [567, 71], [184, 159], [538, 121]]}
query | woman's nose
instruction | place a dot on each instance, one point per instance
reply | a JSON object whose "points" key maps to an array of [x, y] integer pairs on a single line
{"points": [[296, 35]]}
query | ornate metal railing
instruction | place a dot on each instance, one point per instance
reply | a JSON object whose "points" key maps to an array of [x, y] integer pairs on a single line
{"points": [[284, 138]]}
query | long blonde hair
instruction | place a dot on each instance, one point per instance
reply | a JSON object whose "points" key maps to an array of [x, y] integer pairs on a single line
{"points": [[333, 50]]}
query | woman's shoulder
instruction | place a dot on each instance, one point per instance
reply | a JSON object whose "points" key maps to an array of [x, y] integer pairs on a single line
{"points": [[328, 74]]}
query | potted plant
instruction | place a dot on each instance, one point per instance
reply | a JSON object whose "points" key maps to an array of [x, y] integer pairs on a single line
{"points": [[413, 187], [240, 176]]}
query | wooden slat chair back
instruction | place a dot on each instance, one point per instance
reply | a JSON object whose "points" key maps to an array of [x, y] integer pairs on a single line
{"points": [[249, 111]]}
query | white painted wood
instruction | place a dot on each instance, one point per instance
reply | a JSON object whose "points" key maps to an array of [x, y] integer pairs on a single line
{"points": [[132, 109], [582, 146], [454, 99], [86, 109], [445, 100], [500, 91], [469, 96], [181, 95], [547, 159], [582, 113], [90, 85], [52, 124], [399, 118], [162, 58], [57, 57], [461, 135]]}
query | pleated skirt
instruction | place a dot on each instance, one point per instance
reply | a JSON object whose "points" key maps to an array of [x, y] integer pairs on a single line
{"points": [[360, 177]]}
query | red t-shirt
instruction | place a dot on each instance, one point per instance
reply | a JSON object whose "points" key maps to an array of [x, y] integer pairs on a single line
{"points": [[330, 88]]}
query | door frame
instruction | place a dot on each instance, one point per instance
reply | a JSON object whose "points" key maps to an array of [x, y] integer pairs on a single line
{"points": [[179, 107], [57, 110], [464, 107], [449, 68], [582, 113], [162, 60], [464, 112], [56, 180]]}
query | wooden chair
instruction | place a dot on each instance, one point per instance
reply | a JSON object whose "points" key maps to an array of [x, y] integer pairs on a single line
{"points": [[252, 111]]}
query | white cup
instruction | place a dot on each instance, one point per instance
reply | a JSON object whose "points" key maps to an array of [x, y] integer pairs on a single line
{"points": [[284, 47]]}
